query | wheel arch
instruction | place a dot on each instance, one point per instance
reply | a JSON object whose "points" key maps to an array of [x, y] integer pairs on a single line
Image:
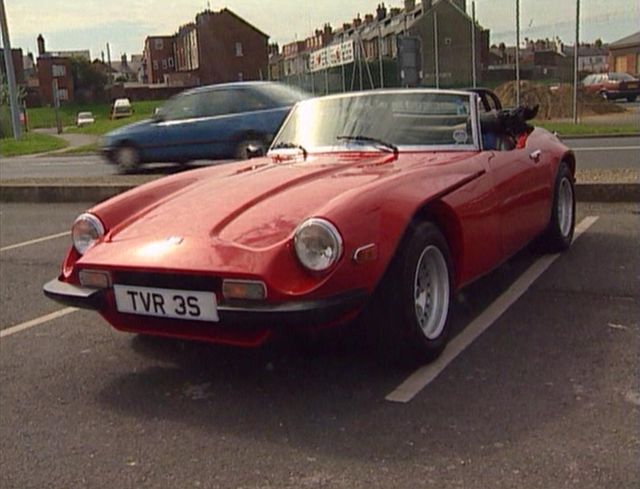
{"points": [[446, 220], [570, 159]]}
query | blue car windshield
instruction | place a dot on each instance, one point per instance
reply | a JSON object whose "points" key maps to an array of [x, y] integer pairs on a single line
{"points": [[409, 118]]}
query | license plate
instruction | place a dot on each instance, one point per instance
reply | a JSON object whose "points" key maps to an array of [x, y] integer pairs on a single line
{"points": [[168, 303]]}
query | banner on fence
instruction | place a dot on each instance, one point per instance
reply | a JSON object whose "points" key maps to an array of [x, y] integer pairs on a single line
{"points": [[334, 55]]}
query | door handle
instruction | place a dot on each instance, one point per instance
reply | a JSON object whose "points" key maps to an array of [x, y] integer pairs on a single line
{"points": [[535, 156]]}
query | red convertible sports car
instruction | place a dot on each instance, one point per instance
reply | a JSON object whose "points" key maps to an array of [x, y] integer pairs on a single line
{"points": [[381, 204]]}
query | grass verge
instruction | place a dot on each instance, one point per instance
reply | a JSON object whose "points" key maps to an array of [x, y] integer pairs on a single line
{"points": [[30, 143], [40, 117], [570, 129]]}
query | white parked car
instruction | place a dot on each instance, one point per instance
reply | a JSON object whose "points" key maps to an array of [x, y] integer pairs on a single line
{"points": [[84, 118], [121, 108]]}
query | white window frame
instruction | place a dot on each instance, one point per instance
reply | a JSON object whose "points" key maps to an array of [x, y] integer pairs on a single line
{"points": [[158, 44], [239, 52]]}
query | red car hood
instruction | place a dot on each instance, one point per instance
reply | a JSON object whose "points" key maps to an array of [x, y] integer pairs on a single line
{"points": [[260, 204]]}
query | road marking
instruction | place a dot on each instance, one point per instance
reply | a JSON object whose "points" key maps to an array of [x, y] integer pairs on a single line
{"points": [[37, 321], [610, 148], [34, 241], [419, 379]]}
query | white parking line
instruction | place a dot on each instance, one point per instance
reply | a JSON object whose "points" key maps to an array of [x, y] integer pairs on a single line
{"points": [[610, 148], [35, 322], [419, 379], [34, 241]]}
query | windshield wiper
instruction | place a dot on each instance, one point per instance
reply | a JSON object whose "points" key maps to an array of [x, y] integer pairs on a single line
{"points": [[367, 139], [286, 145]]}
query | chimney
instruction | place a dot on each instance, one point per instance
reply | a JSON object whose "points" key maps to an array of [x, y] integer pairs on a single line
{"points": [[328, 30], [426, 5], [381, 12], [409, 5], [123, 60], [102, 56], [41, 49]]}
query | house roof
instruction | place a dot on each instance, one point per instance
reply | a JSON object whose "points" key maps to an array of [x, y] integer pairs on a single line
{"points": [[631, 40]]}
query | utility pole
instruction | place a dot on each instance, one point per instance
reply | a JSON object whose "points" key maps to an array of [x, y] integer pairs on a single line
{"points": [[380, 55], [576, 48], [473, 44], [517, 53], [11, 75], [435, 47]]}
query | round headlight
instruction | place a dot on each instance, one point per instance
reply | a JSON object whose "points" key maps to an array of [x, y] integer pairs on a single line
{"points": [[318, 244], [86, 230]]}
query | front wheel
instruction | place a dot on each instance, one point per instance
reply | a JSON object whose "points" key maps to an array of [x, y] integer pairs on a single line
{"points": [[127, 158], [410, 312], [559, 233]]}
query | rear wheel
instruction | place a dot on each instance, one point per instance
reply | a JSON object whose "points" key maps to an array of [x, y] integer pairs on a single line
{"points": [[559, 233], [631, 98], [409, 315], [604, 94], [127, 158], [248, 146]]}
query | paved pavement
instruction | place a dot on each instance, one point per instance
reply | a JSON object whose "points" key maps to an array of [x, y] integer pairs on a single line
{"points": [[74, 140], [548, 397]]}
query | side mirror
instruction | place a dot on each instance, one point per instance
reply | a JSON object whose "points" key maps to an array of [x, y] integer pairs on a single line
{"points": [[255, 151]]}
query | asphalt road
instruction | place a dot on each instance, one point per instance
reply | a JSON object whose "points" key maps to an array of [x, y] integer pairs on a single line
{"points": [[596, 153], [547, 397]]}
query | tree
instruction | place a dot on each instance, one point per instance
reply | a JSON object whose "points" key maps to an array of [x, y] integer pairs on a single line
{"points": [[87, 77], [598, 43]]}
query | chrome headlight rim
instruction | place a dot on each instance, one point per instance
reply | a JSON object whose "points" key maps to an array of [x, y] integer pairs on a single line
{"points": [[333, 233], [95, 223]]}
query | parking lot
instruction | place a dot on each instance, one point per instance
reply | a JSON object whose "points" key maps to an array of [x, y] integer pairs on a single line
{"points": [[546, 397]]}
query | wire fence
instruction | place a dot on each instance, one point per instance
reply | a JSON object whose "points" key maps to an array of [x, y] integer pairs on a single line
{"points": [[454, 51]]}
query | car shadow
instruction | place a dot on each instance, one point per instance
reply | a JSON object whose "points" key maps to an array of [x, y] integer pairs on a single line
{"points": [[328, 397]]}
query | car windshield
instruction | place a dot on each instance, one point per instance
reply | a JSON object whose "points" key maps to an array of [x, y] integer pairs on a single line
{"points": [[85, 115], [620, 77], [401, 118]]}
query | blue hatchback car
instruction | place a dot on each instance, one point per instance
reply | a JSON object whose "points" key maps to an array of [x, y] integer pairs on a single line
{"points": [[214, 122]]}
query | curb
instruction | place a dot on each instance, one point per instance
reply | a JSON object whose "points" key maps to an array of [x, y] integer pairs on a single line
{"points": [[585, 192], [60, 193]]}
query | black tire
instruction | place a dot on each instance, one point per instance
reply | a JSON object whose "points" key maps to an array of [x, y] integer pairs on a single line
{"points": [[559, 233], [394, 321], [604, 94], [242, 150], [632, 98], [127, 158]]}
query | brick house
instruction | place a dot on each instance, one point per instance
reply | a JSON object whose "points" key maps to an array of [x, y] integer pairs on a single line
{"points": [[222, 47], [158, 58], [55, 68], [624, 54]]}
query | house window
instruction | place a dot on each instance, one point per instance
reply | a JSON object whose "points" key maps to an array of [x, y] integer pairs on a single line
{"points": [[155, 64], [63, 94], [240, 76], [239, 49], [170, 61], [58, 70], [158, 44], [164, 64]]}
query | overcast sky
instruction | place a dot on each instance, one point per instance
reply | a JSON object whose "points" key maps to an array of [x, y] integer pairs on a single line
{"points": [[90, 24]]}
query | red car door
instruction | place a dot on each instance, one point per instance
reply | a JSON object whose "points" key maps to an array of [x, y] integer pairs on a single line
{"points": [[522, 184]]}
